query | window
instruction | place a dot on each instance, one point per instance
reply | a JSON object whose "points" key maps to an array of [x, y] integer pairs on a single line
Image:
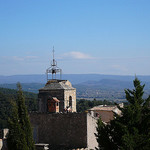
{"points": [[70, 101]]}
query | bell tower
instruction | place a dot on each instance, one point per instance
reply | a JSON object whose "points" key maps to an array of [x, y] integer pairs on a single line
{"points": [[53, 69], [56, 91]]}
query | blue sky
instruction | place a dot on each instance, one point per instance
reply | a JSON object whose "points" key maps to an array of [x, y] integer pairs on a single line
{"points": [[89, 36]]}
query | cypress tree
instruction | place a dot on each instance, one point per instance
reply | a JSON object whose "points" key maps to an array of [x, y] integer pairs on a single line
{"points": [[16, 137], [131, 130], [24, 118], [20, 123], [104, 142]]}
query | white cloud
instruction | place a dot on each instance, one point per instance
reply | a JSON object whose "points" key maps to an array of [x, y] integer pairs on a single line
{"points": [[77, 55], [119, 68], [31, 57], [16, 58]]}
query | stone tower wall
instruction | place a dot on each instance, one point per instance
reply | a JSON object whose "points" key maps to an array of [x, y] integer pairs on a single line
{"points": [[60, 130], [91, 130], [61, 95], [43, 96], [67, 95]]}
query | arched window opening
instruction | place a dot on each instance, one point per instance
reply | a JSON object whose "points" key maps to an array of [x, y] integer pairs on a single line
{"points": [[70, 101]]}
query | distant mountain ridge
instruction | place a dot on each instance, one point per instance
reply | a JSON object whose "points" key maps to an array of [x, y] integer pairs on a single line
{"points": [[110, 87], [73, 78], [107, 89], [107, 83]]}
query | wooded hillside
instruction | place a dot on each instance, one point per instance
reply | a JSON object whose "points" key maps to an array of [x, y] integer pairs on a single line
{"points": [[6, 95]]}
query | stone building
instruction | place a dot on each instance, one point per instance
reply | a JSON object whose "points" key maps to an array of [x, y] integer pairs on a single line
{"points": [[106, 112], [62, 90], [63, 129]]}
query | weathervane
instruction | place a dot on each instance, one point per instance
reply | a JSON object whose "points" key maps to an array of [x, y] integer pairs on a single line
{"points": [[53, 69]]}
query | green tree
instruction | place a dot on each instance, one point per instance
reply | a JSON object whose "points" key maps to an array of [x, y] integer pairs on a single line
{"points": [[19, 124], [104, 142], [131, 130], [6, 95], [16, 137], [83, 104]]}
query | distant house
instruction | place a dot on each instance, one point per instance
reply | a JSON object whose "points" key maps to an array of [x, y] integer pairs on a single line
{"points": [[105, 112]]}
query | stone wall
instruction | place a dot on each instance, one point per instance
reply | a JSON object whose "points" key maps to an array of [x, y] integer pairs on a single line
{"points": [[91, 130], [61, 95], [1, 144], [3, 139], [43, 96], [62, 90], [106, 116], [61, 130], [72, 94]]}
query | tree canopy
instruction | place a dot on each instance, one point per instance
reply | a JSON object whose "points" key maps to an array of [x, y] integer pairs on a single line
{"points": [[7, 95], [130, 130], [83, 104], [20, 132]]}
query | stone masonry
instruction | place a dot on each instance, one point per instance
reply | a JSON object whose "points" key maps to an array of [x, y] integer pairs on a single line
{"points": [[62, 90], [64, 131]]}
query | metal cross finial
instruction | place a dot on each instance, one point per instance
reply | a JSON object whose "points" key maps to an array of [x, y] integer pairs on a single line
{"points": [[54, 62], [53, 52]]}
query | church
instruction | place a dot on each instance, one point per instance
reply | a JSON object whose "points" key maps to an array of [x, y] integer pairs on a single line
{"points": [[57, 93], [57, 123]]}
